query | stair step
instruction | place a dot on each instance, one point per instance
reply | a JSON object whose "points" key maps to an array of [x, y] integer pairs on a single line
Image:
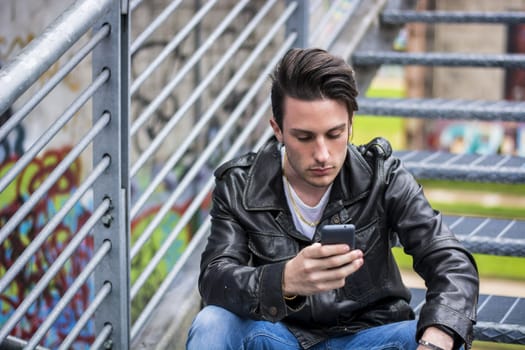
{"points": [[400, 17], [489, 236], [444, 109], [467, 167], [499, 237], [500, 318], [367, 58]]}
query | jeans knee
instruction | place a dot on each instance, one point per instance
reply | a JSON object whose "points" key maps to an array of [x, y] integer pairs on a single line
{"points": [[210, 324]]}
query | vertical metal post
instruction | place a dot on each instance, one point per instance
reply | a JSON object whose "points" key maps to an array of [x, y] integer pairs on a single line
{"points": [[113, 98], [299, 22]]}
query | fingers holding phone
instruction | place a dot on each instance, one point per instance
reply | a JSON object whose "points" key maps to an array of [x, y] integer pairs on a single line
{"points": [[319, 268]]}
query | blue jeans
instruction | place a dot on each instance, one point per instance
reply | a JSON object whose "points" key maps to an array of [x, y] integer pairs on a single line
{"points": [[217, 328]]}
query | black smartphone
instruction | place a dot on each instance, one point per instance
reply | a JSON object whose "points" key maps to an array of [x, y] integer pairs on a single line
{"points": [[337, 234]]}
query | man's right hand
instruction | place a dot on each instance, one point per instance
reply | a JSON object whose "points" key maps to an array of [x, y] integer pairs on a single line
{"points": [[319, 268]]}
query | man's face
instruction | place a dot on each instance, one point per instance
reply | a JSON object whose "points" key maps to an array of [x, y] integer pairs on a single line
{"points": [[315, 134]]}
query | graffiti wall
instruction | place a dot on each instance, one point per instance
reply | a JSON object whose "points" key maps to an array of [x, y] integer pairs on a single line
{"points": [[20, 22]]}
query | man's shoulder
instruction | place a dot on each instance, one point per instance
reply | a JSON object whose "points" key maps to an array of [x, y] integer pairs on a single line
{"points": [[378, 147], [244, 161]]}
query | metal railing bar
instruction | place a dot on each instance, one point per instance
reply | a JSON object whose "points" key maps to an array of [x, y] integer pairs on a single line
{"points": [[41, 237], [479, 227], [42, 52], [324, 20], [47, 135], [314, 6], [369, 18], [143, 117], [163, 288], [175, 157], [453, 159], [457, 222], [86, 316], [485, 302], [10, 342], [502, 161], [507, 228], [42, 92], [168, 49], [157, 142], [139, 40], [264, 138], [134, 3], [52, 178], [431, 157], [479, 160], [509, 311], [419, 306], [102, 337], [53, 270], [406, 16], [409, 155], [161, 291], [337, 31], [326, 43], [70, 293], [148, 231], [186, 181], [461, 172], [154, 25]]}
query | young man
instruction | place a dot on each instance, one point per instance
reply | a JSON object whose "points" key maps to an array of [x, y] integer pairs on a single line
{"points": [[267, 281]]}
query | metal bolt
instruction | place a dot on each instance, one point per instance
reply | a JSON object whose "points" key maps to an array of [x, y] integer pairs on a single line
{"points": [[107, 219], [108, 344]]}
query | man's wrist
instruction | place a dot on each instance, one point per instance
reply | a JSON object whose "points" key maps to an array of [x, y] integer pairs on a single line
{"points": [[435, 336]]}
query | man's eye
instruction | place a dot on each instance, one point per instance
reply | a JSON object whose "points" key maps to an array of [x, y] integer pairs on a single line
{"points": [[335, 136], [304, 138]]}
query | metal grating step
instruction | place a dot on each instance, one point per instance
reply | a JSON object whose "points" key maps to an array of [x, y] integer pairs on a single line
{"points": [[400, 17], [444, 109], [367, 58], [489, 236], [501, 319], [466, 167]]}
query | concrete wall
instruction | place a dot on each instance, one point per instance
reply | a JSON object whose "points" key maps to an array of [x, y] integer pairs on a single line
{"points": [[471, 38]]}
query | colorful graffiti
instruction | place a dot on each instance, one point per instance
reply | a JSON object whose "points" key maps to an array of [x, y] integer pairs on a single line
{"points": [[18, 192], [11, 199]]}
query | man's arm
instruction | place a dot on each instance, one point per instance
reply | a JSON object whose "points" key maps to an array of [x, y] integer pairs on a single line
{"points": [[439, 258]]}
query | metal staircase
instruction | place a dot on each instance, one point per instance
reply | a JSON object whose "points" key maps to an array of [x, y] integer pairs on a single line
{"points": [[500, 319]]}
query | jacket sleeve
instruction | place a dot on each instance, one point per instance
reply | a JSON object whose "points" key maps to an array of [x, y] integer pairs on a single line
{"points": [[227, 277], [448, 269]]}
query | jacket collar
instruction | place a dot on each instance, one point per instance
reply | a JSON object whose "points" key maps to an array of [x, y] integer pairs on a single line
{"points": [[264, 189]]}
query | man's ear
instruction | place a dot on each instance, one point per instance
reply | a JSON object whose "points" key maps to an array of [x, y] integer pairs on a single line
{"points": [[276, 130]]}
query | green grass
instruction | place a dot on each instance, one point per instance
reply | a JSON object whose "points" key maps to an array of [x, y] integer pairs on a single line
{"points": [[480, 345]]}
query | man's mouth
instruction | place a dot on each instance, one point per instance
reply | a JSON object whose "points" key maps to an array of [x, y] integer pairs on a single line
{"points": [[322, 171]]}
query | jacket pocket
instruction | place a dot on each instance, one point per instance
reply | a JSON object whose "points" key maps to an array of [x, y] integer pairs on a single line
{"points": [[363, 284], [272, 247]]}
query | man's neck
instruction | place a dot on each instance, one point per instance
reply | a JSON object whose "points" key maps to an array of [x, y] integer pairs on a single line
{"points": [[309, 195]]}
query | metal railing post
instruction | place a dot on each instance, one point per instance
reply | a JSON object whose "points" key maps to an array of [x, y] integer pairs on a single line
{"points": [[299, 22], [113, 98]]}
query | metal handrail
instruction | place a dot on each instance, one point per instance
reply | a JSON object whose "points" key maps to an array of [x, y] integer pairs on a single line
{"points": [[20, 114], [41, 53]]}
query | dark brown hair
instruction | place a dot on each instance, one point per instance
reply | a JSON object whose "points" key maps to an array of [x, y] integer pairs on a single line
{"points": [[311, 74]]}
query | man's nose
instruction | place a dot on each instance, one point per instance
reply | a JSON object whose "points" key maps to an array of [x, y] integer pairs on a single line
{"points": [[321, 153]]}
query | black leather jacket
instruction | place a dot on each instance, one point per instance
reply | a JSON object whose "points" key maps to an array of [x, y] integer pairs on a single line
{"points": [[253, 236]]}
